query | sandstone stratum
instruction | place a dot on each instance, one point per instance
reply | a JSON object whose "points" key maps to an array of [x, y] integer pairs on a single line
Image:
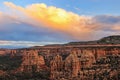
{"points": [[90, 60]]}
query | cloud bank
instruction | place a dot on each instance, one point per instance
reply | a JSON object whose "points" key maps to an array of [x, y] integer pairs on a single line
{"points": [[16, 44]]}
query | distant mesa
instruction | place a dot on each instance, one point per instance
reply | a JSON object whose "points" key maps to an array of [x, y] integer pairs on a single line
{"points": [[115, 39], [109, 40]]}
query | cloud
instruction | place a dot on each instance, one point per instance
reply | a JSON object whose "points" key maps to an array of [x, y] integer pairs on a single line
{"points": [[107, 22], [15, 44], [76, 8], [57, 20], [13, 29], [0, 13], [22, 43], [116, 27], [107, 19]]}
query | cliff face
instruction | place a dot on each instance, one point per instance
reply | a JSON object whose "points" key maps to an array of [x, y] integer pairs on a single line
{"points": [[71, 66], [2, 73], [56, 66], [87, 59], [32, 61], [79, 66], [72, 61], [4, 52]]}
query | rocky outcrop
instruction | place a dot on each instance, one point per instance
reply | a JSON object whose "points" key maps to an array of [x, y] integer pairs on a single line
{"points": [[72, 64], [56, 66], [65, 68], [94, 60], [32, 61], [87, 59], [4, 52], [2, 73]]}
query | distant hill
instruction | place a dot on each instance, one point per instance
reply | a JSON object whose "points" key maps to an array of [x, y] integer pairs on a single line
{"points": [[115, 39]]}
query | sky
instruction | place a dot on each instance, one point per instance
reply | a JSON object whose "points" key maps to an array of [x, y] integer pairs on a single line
{"points": [[25, 23]]}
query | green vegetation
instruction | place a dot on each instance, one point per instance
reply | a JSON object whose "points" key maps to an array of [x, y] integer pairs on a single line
{"points": [[8, 63], [42, 75]]}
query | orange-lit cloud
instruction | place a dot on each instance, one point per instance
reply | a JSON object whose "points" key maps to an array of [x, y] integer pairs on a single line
{"points": [[116, 27], [56, 18], [0, 13], [76, 26]]}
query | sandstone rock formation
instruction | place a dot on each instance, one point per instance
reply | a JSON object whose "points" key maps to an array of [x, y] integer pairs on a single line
{"points": [[65, 68], [94, 60], [87, 59], [72, 64], [2, 73], [56, 66], [32, 61], [4, 52]]}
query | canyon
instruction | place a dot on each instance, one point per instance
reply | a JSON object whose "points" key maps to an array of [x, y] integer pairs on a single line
{"points": [[91, 60]]}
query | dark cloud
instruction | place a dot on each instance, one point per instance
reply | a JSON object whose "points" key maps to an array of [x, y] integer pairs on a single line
{"points": [[107, 19], [107, 22]]}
